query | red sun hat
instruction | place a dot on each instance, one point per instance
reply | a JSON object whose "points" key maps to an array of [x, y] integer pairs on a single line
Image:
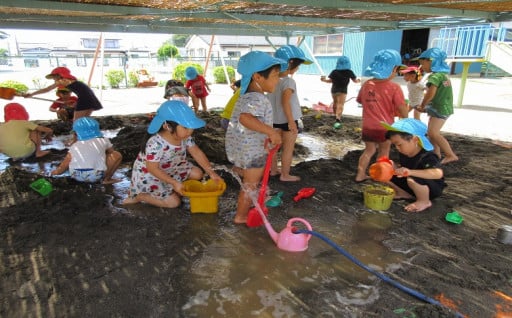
{"points": [[15, 111], [410, 69], [61, 71]]}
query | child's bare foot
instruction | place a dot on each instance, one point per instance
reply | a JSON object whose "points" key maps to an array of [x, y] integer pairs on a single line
{"points": [[418, 206], [361, 178], [274, 173], [239, 220], [289, 178], [130, 201], [111, 181], [449, 159], [42, 153]]}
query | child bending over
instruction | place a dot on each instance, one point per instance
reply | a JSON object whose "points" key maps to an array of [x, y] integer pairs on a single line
{"points": [[91, 158], [161, 165], [418, 173], [19, 138]]}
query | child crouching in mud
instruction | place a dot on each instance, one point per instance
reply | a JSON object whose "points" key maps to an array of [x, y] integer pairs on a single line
{"points": [[161, 165], [418, 174]]}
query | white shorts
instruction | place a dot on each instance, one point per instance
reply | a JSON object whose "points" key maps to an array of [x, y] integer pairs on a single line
{"points": [[87, 175]]}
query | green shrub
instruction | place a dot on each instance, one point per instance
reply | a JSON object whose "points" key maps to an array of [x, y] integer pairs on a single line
{"points": [[133, 79], [18, 86], [179, 70], [114, 78], [219, 75]]}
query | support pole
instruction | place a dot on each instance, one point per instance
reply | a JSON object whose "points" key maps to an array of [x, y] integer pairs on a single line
{"points": [[463, 78], [94, 59], [209, 54]]}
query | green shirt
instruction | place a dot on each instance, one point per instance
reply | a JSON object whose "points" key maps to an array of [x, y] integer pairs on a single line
{"points": [[443, 100]]}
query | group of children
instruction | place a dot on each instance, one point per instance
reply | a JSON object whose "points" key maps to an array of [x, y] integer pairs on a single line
{"points": [[266, 112]]}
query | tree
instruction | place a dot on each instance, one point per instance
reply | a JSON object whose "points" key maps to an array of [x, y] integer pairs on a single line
{"points": [[167, 50], [180, 39]]}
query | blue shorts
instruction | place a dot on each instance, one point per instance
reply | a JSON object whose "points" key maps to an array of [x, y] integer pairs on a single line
{"points": [[87, 175], [432, 112]]}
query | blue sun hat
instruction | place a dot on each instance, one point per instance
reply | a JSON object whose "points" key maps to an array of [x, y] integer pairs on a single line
{"points": [[414, 127], [253, 62], [288, 52], [343, 63], [177, 111], [190, 73], [87, 128], [383, 64], [438, 57]]}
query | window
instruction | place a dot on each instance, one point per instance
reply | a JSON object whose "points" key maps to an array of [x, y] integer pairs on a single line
{"points": [[328, 44], [234, 54]]}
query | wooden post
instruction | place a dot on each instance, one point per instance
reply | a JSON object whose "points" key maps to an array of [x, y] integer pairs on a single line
{"points": [[209, 53], [94, 59]]}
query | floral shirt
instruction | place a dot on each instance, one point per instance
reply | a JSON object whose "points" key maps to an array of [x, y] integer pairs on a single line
{"points": [[172, 159]]}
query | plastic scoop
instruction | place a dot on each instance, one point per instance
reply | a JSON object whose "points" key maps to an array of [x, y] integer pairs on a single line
{"points": [[454, 217], [304, 193], [42, 186], [253, 218], [275, 201], [9, 93]]}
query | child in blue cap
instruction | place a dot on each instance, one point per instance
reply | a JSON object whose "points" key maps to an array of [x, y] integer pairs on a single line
{"points": [[286, 109], [251, 124], [92, 157], [340, 77], [382, 100], [161, 165], [418, 173], [438, 100], [198, 88]]}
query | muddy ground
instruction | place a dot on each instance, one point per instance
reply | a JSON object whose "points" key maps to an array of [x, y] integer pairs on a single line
{"points": [[79, 253]]}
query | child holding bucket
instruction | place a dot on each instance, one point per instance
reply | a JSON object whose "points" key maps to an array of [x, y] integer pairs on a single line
{"points": [[418, 174], [161, 165], [382, 100], [91, 158], [19, 138], [251, 125]]}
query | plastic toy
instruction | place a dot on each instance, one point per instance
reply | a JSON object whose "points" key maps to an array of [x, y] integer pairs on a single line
{"points": [[275, 201], [253, 218], [304, 193], [382, 170]]}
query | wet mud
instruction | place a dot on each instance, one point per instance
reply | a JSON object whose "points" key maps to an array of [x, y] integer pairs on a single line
{"points": [[78, 253]]}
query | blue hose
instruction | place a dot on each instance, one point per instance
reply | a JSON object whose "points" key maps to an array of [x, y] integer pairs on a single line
{"points": [[385, 278]]}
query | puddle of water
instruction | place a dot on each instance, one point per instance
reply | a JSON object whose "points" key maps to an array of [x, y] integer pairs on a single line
{"points": [[321, 149], [242, 272]]}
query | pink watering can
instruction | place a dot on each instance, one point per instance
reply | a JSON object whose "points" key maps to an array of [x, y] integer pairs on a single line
{"points": [[287, 240]]}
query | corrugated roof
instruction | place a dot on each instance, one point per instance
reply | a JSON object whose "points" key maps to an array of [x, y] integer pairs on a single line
{"points": [[256, 17]]}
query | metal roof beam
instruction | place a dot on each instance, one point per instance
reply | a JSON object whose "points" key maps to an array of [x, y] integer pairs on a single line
{"points": [[383, 7]]}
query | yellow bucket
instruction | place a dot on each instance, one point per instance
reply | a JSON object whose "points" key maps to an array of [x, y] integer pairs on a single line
{"points": [[378, 197], [204, 196]]}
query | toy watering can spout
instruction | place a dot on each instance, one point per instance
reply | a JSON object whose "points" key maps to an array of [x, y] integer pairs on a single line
{"points": [[289, 241]]}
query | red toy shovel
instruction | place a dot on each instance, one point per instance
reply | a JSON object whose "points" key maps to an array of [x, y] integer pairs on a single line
{"points": [[304, 193], [253, 218]]}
